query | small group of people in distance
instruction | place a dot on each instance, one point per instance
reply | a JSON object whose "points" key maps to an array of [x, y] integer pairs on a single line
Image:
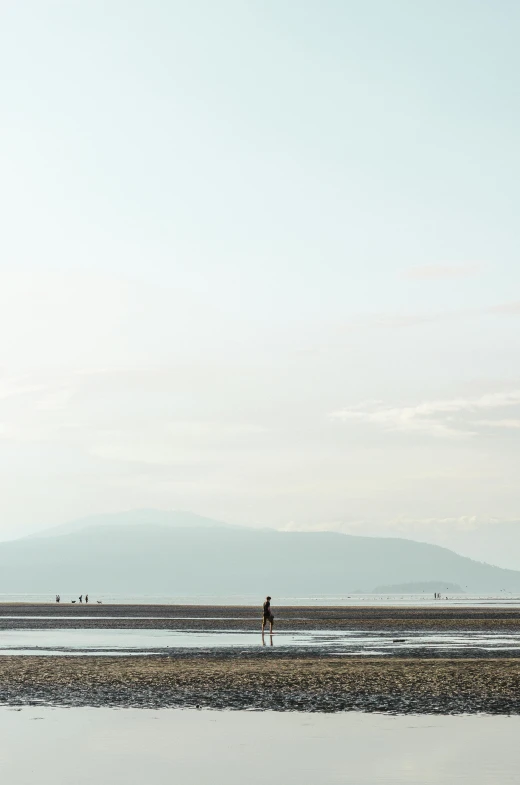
{"points": [[268, 618], [80, 598]]}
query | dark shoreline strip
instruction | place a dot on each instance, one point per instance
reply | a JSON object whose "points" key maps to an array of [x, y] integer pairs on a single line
{"points": [[398, 618]]}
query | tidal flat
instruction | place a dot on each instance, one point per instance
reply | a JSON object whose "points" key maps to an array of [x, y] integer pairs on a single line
{"points": [[246, 617], [220, 681], [433, 660]]}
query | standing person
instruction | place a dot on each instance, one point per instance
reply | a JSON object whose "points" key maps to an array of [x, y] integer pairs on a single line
{"points": [[86, 598], [81, 598], [268, 616]]}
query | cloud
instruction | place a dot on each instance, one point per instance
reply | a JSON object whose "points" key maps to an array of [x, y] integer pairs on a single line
{"points": [[176, 444], [406, 319], [512, 309], [512, 424], [16, 387], [340, 527], [426, 529], [465, 523], [445, 418], [401, 320], [439, 272]]}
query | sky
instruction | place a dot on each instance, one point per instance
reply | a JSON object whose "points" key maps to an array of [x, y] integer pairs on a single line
{"points": [[259, 260]]}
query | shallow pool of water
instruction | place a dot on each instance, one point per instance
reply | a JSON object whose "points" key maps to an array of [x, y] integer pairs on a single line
{"points": [[132, 641], [132, 747]]}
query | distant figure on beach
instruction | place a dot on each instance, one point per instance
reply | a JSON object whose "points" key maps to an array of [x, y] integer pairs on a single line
{"points": [[268, 616], [86, 598], [58, 598], [81, 598]]}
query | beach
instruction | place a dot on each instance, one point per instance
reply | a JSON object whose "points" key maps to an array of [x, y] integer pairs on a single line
{"points": [[409, 678], [248, 617], [323, 684]]}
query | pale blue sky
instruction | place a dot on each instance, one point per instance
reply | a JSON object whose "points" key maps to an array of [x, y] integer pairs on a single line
{"points": [[224, 224]]}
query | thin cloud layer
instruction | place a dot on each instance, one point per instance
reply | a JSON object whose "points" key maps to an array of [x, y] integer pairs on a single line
{"points": [[510, 424], [446, 418], [512, 309], [438, 272]]}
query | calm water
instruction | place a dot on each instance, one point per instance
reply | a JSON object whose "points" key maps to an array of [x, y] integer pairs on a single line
{"points": [[135, 641], [505, 599], [129, 747]]}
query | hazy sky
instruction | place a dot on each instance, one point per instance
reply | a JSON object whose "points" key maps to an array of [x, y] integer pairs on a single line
{"points": [[260, 260]]}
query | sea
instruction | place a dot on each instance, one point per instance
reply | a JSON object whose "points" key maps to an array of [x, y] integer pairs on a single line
{"points": [[498, 600]]}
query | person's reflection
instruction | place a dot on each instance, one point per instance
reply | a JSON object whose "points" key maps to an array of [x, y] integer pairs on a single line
{"points": [[271, 642]]}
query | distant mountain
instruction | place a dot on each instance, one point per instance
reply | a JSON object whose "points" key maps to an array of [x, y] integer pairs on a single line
{"points": [[162, 559], [498, 543], [177, 518], [493, 542], [428, 587]]}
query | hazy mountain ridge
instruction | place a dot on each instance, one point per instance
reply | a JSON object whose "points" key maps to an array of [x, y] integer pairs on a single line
{"points": [[144, 517], [497, 543], [161, 559]]}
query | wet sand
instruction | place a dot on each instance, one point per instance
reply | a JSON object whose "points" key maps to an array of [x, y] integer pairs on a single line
{"points": [[220, 681], [209, 617], [266, 677]]}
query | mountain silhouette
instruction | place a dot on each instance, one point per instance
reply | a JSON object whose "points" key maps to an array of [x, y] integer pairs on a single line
{"points": [[193, 555]]}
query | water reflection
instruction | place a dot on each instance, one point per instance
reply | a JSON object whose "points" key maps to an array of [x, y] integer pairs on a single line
{"points": [[88, 746], [110, 641]]}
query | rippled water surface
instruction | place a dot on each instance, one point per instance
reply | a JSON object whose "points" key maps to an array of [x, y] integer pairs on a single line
{"points": [[133, 641], [132, 747]]}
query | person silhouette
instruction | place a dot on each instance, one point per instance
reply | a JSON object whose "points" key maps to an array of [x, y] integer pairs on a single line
{"points": [[81, 598], [267, 616]]}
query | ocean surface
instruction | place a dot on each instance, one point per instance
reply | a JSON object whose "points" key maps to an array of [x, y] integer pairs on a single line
{"points": [[131, 747], [500, 600]]}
